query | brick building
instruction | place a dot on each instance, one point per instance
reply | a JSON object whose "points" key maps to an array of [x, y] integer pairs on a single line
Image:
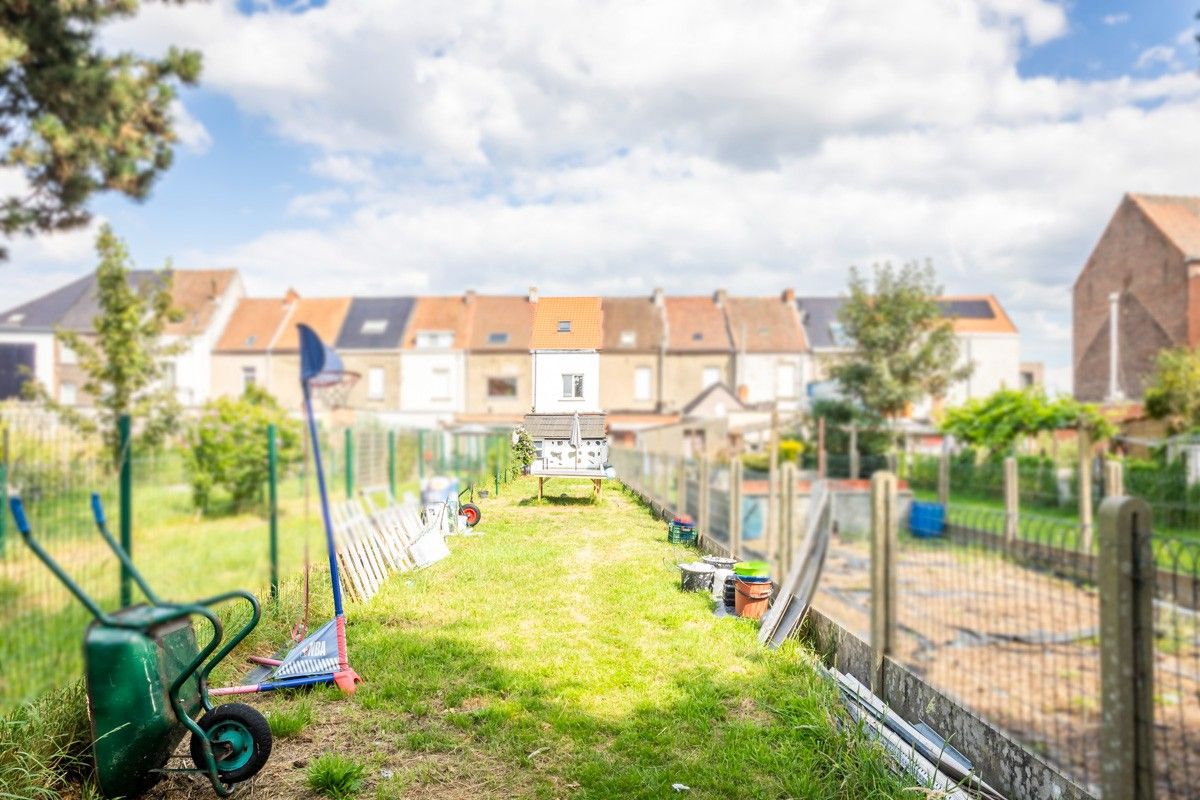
{"points": [[1146, 265]]}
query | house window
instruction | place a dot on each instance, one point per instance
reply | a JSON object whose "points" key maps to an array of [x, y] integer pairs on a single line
{"points": [[712, 375], [66, 393], [169, 375], [628, 338], [373, 327], [67, 356], [430, 339], [641, 383], [838, 334], [375, 383], [15, 319], [785, 380], [564, 326], [501, 387], [439, 385], [697, 337], [498, 337], [249, 378], [572, 386]]}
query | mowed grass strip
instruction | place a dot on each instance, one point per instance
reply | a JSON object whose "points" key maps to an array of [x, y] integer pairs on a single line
{"points": [[555, 656]]}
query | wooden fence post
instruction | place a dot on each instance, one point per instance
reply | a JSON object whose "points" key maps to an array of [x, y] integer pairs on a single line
{"points": [[705, 491], [821, 448], [884, 533], [771, 532], [680, 486], [1085, 491], [943, 479], [854, 467], [1126, 586], [1012, 500], [735, 508]]}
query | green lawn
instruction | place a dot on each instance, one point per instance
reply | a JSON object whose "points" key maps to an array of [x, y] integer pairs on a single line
{"points": [[554, 656]]}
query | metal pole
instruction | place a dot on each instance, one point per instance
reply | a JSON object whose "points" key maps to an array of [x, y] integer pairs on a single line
{"points": [[1126, 649], [1011, 500], [348, 454], [943, 484], [421, 455], [125, 484], [498, 444], [273, 500], [3, 488], [821, 448]]}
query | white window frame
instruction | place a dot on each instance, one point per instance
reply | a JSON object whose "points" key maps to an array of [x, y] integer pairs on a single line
{"points": [[564, 326], [574, 389], [439, 374], [376, 383], [249, 377], [67, 356], [67, 394], [373, 327]]}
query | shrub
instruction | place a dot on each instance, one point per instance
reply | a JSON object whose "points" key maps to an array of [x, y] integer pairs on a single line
{"points": [[229, 447]]}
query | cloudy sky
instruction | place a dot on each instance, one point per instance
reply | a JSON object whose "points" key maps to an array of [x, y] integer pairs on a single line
{"points": [[371, 146]]}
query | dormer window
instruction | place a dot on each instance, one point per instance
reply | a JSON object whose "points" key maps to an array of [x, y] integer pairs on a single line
{"points": [[250, 340], [564, 326], [373, 327], [838, 334], [15, 319], [628, 338], [697, 336], [497, 337], [429, 339]]}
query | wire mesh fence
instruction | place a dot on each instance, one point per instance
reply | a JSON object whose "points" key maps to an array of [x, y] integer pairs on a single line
{"points": [[1177, 666]]}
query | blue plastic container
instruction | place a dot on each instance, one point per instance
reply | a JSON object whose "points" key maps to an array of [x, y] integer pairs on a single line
{"points": [[927, 520]]}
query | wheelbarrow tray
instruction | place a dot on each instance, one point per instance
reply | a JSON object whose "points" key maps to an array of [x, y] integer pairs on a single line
{"points": [[135, 730]]}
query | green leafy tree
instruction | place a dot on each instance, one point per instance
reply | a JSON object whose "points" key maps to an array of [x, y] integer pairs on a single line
{"points": [[1173, 394], [872, 437], [997, 422], [228, 447], [124, 361], [523, 451], [903, 348], [75, 118]]}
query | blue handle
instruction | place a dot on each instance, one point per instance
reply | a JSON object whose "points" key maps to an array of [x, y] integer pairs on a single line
{"points": [[18, 512], [97, 509]]}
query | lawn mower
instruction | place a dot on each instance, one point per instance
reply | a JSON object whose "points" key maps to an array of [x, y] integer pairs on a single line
{"points": [[147, 679]]}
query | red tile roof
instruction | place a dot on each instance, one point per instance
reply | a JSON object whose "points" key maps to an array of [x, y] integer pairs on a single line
{"points": [[453, 314], [1178, 218], [586, 324], [769, 324], [323, 314], [253, 325], [509, 315], [696, 324], [632, 324]]}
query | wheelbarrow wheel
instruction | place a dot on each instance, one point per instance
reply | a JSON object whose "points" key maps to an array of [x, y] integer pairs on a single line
{"points": [[472, 513], [240, 738]]}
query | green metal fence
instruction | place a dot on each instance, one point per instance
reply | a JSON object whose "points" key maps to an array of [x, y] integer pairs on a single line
{"points": [[183, 553]]}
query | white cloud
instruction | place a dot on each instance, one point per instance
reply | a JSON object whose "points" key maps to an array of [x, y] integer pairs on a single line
{"points": [[687, 143], [1115, 19], [191, 131], [1158, 54]]}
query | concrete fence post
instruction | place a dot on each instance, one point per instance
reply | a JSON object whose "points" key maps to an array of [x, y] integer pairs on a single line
{"points": [[943, 479], [1126, 584], [854, 466], [1012, 500], [884, 534], [735, 508], [821, 448], [1114, 478], [1085, 491], [702, 519], [680, 486], [787, 511]]}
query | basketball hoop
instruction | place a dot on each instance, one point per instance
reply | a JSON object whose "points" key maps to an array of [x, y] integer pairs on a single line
{"points": [[333, 389]]}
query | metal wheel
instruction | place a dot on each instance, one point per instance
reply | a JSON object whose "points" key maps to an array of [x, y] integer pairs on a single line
{"points": [[240, 739]]}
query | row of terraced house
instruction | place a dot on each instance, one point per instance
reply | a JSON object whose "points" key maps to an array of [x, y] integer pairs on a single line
{"points": [[468, 358]]}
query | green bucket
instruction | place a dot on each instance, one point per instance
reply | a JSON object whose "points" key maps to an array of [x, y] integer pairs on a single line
{"points": [[752, 569]]}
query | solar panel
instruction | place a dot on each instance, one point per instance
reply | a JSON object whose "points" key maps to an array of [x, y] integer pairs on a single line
{"points": [[967, 309]]}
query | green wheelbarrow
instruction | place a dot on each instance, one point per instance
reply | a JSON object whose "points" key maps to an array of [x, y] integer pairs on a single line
{"points": [[147, 680]]}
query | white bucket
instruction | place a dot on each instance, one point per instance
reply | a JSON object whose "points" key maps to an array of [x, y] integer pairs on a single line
{"points": [[718, 588], [429, 548]]}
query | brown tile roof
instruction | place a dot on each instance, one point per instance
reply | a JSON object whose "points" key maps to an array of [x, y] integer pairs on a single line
{"points": [[769, 324], [323, 314], [558, 426], [197, 293], [584, 314], [696, 324], [1177, 217], [636, 318], [253, 325], [998, 322], [505, 314], [453, 313]]}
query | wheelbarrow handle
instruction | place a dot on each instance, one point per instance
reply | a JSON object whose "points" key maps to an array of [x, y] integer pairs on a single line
{"points": [[235, 640], [119, 552], [18, 512]]}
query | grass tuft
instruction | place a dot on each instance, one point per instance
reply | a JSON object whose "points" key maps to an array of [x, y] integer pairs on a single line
{"points": [[290, 720], [335, 776], [45, 745]]}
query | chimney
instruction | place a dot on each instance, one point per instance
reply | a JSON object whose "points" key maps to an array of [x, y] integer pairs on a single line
{"points": [[743, 392], [291, 296], [1114, 344], [533, 296], [657, 297], [788, 296], [468, 297], [719, 298]]}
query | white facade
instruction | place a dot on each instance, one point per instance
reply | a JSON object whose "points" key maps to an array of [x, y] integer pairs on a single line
{"points": [[192, 368], [778, 378], [555, 394], [997, 365], [432, 384]]}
